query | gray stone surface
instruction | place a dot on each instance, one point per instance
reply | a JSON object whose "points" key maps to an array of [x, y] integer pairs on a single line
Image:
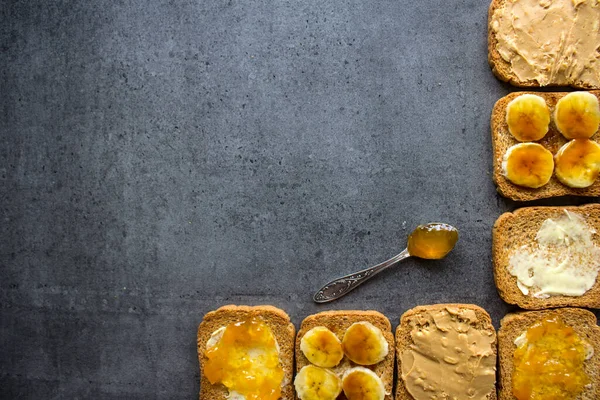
{"points": [[160, 159]]}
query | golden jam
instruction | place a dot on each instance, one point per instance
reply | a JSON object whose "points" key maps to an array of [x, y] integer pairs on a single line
{"points": [[432, 241], [246, 360], [548, 364]]}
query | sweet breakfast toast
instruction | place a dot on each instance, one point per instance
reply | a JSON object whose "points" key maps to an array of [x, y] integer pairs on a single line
{"points": [[446, 351], [341, 336], [264, 326], [516, 237], [549, 353], [552, 142], [569, 56]]}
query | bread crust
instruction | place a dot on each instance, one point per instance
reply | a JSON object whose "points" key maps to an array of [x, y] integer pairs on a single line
{"points": [[513, 230], [276, 319], [338, 322], [503, 70], [404, 340], [553, 141], [512, 325]]}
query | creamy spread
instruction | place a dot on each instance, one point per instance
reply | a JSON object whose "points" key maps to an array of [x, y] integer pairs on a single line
{"points": [[233, 395], [449, 358], [552, 42], [563, 261], [215, 337]]}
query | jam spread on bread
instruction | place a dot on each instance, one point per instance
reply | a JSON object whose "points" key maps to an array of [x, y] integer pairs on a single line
{"points": [[245, 358], [549, 362], [432, 241]]}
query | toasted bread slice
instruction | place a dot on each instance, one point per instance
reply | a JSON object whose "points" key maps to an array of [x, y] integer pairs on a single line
{"points": [[503, 69], [515, 324], [338, 322], [276, 319], [519, 228], [418, 317], [553, 141]]}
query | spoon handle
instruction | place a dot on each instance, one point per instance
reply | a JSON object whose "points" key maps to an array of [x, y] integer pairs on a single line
{"points": [[340, 286]]}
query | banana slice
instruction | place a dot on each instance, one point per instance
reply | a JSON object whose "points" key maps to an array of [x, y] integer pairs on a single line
{"points": [[528, 117], [577, 115], [364, 343], [360, 383], [578, 163], [322, 347], [528, 164], [315, 383]]}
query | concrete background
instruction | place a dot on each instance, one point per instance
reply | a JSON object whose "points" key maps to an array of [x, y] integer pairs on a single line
{"points": [[160, 159]]}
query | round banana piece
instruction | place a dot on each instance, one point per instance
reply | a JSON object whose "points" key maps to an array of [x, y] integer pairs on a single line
{"points": [[528, 164], [322, 347], [364, 343], [315, 383], [577, 115], [578, 163], [528, 118], [360, 383]]}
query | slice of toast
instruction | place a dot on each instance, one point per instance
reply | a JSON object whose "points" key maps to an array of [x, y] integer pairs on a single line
{"points": [[338, 322], [514, 230], [503, 69], [276, 319], [513, 325], [553, 141], [418, 317]]}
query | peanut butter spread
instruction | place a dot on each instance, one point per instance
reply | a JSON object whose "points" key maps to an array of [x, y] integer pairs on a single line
{"points": [[449, 357], [553, 42]]}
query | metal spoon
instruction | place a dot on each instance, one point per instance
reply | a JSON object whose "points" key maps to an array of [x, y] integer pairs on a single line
{"points": [[423, 242]]}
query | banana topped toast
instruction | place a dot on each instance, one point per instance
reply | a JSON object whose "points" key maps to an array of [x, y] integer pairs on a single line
{"points": [[246, 353], [345, 355], [446, 351], [549, 354], [546, 145], [548, 256]]}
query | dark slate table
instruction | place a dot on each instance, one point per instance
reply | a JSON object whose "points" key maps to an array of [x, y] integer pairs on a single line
{"points": [[160, 159]]}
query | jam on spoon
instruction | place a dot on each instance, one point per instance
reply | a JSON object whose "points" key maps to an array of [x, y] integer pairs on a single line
{"points": [[431, 241]]}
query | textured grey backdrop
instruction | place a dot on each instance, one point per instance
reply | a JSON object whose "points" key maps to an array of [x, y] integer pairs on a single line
{"points": [[162, 158]]}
